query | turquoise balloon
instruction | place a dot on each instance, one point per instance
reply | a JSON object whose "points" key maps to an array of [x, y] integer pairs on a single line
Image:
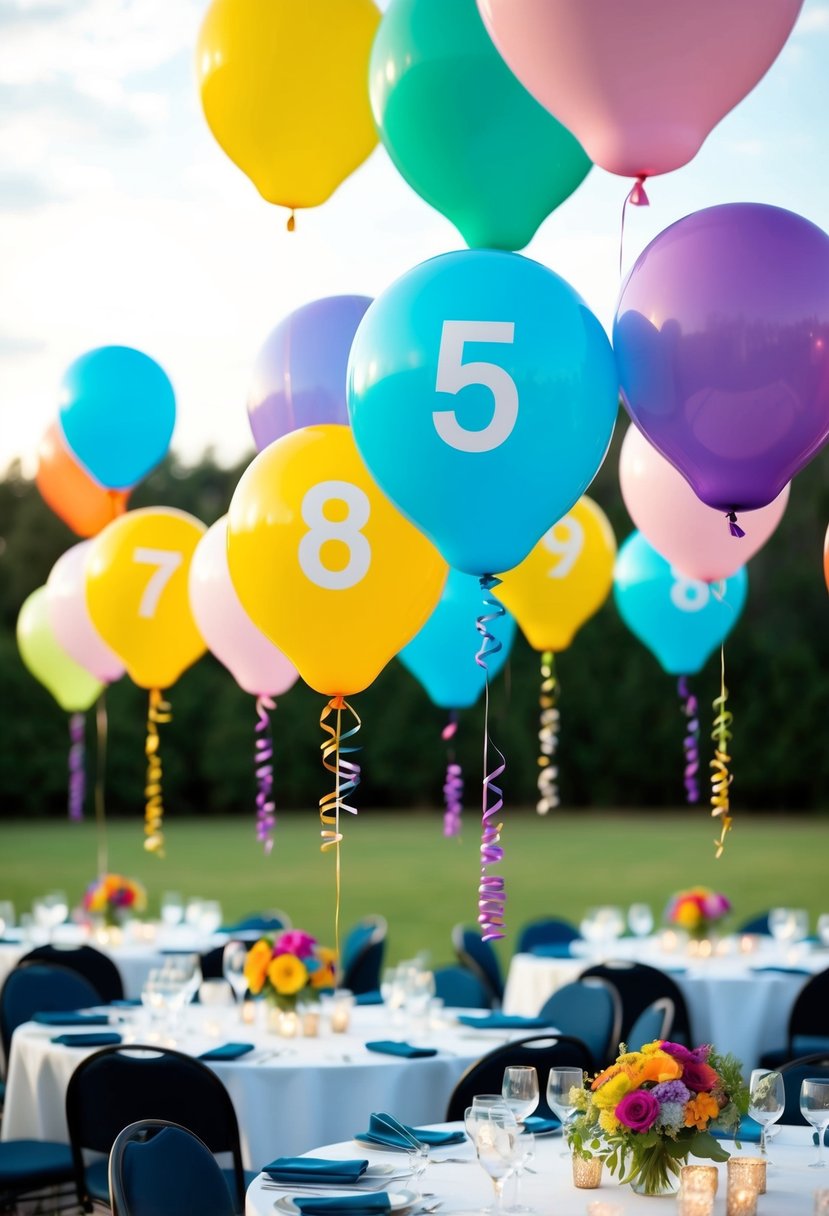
{"points": [[117, 414], [442, 655], [462, 130], [681, 620], [482, 393]]}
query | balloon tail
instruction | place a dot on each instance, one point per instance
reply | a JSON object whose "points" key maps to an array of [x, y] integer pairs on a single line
{"points": [[637, 198], [291, 224], [492, 896], [548, 797], [453, 783], [721, 777], [346, 779], [117, 504], [263, 755], [101, 725], [77, 766], [157, 715], [733, 527], [691, 740]]}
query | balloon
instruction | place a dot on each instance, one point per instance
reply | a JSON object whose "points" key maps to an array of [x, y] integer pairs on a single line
{"points": [[299, 376], [564, 580], [136, 590], [722, 340], [442, 655], [72, 494], [826, 559], [640, 83], [283, 88], [462, 130], [681, 620], [254, 662], [680, 527], [482, 393], [70, 620], [71, 685], [117, 413], [323, 563]]}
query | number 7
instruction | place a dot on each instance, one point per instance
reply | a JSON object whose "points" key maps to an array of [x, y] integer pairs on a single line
{"points": [[167, 561]]}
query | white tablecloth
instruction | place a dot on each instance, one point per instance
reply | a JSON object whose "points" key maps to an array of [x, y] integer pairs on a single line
{"points": [[550, 1192]]}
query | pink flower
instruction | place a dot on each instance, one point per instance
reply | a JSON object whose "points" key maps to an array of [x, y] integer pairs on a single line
{"points": [[714, 906], [638, 1110], [294, 941], [699, 1077]]}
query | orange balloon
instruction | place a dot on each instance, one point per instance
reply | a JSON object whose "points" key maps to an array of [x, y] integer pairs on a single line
{"points": [[69, 490], [826, 558]]}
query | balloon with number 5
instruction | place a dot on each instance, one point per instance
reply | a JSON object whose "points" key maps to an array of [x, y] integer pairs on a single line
{"points": [[482, 394], [136, 590], [681, 620], [564, 580], [324, 564]]}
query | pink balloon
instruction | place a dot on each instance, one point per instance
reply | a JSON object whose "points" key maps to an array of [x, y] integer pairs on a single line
{"points": [[692, 536], [640, 83], [70, 619], [253, 661]]}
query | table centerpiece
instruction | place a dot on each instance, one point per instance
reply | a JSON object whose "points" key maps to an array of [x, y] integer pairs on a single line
{"points": [[698, 911], [286, 970], [112, 898]]}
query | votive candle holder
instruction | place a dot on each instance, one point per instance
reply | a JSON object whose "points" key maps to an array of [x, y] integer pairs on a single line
{"points": [[822, 1202], [747, 1171], [741, 1201], [701, 1179], [587, 1172]]}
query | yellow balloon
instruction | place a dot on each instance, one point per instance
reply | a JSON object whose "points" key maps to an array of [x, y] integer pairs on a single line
{"points": [[564, 580], [137, 592], [323, 563], [72, 686], [284, 88]]}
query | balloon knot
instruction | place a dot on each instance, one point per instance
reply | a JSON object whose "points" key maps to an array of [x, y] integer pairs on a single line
{"points": [[450, 728], [733, 527], [291, 224], [638, 197]]}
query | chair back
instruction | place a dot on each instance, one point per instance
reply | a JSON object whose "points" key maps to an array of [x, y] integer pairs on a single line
{"points": [[542, 1052], [273, 920], [121, 1085], [590, 1009], [794, 1073], [158, 1168], [639, 985], [40, 987], [809, 1018], [362, 954], [479, 957], [460, 989], [756, 924], [93, 964], [549, 931], [654, 1022]]}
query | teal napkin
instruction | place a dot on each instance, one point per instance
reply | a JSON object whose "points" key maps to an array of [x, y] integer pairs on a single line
{"points": [[385, 1129], [227, 1051], [69, 1017], [354, 1205], [749, 1132], [87, 1040], [503, 1021], [368, 998], [552, 950], [540, 1126], [309, 1169], [391, 1048]]}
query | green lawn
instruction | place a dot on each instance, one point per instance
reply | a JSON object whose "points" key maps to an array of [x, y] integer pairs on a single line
{"points": [[399, 864]]}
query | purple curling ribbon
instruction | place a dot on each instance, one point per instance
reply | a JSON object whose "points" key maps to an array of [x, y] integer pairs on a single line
{"points": [[691, 740], [453, 783], [492, 896], [77, 766], [733, 527], [265, 806]]}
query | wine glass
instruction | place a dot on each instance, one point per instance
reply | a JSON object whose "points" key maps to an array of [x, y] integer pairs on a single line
{"points": [[781, 924], [210, 917], [814, 1107], [767, 1097], [559, 1084], [640, 919], [520, 1091], [495, 1136], [524, 1154], [6, 916], [172, 909], [234, 957]]}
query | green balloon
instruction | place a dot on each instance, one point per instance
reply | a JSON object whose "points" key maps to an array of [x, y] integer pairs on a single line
{"points": [[71, 685], [462, 130]]}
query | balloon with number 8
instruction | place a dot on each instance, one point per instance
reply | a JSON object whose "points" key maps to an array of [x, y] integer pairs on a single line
{"points": [[324, 564]]}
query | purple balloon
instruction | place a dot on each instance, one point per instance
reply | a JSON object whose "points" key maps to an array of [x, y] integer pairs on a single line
{"points": [[722, 344], [299, 376]]}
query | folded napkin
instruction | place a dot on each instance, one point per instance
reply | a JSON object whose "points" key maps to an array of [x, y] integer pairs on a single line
{"points": [[368, 998], [87, 1040], [126, 1004], [385, 1129], [771, 970], [310, 1169], [227, 1051], [538, 1125], [70, 1017], [391, 1048], [749, 1132], [355, 1205], [552, 950], [503, 1021]]}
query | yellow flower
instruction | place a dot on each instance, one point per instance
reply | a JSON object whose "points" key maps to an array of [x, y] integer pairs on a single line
{"points": [[256, 966], [687, 915], [630, 1058], [288, 974], [608, 1121], [612, 1092], [699, 1110]]}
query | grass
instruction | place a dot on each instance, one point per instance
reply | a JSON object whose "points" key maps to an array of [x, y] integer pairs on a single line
{"points": [[399, 864]]}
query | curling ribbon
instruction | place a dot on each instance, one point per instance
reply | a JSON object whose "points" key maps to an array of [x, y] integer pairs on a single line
{"points": [[263, 754], [492, 896], [637, 198], [733, 527], [158, 714], [100, 776], [721, 778], [346, 779], [453, 784], [548, 736], [691, 740], [77, 766]]}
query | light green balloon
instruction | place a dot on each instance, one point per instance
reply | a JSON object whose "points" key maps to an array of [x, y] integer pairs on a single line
{"points": [[71, 685], [462, 130]]}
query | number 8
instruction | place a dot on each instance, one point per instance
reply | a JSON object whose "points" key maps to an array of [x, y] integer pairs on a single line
{"points": [[688, 594], [345, 530]]}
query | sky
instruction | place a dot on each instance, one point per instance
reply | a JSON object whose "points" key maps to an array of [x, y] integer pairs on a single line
{"points": [[122, 221]]}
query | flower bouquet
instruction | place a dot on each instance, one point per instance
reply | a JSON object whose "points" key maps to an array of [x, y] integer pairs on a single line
{"points": [[112, 897], [653, 1108], [289, 967], [697, 910]]}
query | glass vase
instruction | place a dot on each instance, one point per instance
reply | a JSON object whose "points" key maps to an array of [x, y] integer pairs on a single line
{"points": [[657, 1172], [284, 1022]]}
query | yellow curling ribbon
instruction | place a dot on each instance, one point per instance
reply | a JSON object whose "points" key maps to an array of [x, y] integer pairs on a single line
{"points": [[158, 714], [346, 778], [548, 736], [721, 778]]}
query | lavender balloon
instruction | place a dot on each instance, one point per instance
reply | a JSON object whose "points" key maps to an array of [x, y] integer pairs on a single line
{"points": [[299, 375], [722, 343]]}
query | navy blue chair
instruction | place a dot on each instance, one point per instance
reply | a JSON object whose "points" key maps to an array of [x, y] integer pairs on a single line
{"points": [[756, 924], [92, 964], [158, 1168], [40, 987], [550, 931], [808, 1030], [479, 957], [541, 1051], [654, 1022], [794, 1073], [361, 958], [590, 1010], [30, 1168], [639, 985], [460, 989]]}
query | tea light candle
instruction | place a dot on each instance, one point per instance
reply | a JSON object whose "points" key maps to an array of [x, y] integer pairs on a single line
{"points": [[747, 1172], [341, 1004], [600, 1207], [587, 1172], [741, 1201], [310, 1023], [695, 1203], [248, 1012], [699, 1179], [822, 1202]]}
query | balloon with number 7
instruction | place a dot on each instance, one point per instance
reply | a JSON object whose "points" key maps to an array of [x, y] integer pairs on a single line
{"points": [[482, 393]]}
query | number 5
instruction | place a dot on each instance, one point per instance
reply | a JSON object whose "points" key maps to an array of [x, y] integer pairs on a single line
{"points": [[453, 375], [167, 561]]}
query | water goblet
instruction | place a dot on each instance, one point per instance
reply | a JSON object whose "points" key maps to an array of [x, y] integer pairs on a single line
{"points": [[524, 1155], [6, 916], [211, 917], [640, 920], [823, 928], [172, 909], [767, 1097], [520, 1091], [234, 957], [559, 1085], [192, 912], [814, 1107], [418, 1157], [781, 924], [496, 1145]]}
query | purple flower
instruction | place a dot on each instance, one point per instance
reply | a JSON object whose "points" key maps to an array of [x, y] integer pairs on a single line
{"points": [[715, 905], [638, 1110], [671, 1091], [677, 1051], [294, 941]]}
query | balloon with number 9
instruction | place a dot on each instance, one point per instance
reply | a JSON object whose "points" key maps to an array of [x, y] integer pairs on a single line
{"points": [[324, 564]]}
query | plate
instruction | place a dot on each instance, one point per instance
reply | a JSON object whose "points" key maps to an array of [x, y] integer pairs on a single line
{"points": [[398, 1200]]}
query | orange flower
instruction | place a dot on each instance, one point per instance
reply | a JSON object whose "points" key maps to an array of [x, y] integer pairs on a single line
{"points": [[699, 1110], [323, 977], [256, 966], [658, 1067], [612, 1071]]}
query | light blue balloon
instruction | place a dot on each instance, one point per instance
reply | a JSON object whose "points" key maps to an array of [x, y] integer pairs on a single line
{"points": [[482, 393], [681, 620], [442, 655], [117, 413]]}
